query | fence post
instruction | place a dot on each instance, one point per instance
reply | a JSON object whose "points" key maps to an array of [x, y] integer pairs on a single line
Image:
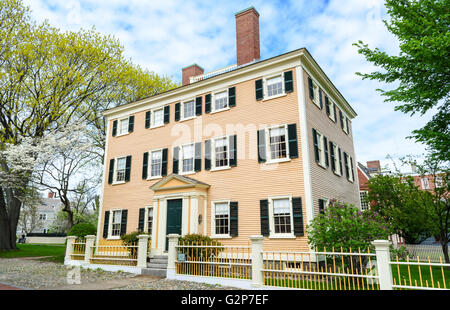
{"points": [[383, 263], [173, 242], [90, 240], [69, 248], [257, 260], [142, 251]]}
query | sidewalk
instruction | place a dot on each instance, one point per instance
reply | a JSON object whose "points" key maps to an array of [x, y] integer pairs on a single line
{"points": [[7, 287], [106, 285]]}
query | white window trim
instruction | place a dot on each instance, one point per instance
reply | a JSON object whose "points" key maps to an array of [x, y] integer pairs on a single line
{"points": [[332, 105], [316, 87], [180, 160], [110, 222], [149, 165], [213, 101], [361, 202], [327, 202], [321, 144], [272, 234], [213, 219], [349, 165], [337, 166], [182, 118], [422, 183], [265, 85], [268, 153], [116, 162], [213, 153], [119, 134], [152, 118]]}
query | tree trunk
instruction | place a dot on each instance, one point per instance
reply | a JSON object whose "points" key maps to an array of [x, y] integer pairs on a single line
{"points": [[444, 244], [9, 217]]}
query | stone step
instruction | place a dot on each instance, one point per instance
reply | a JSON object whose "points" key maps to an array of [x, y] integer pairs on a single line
{"points": [[158, 261], [152, 265], [165, 257], [154, 272]]}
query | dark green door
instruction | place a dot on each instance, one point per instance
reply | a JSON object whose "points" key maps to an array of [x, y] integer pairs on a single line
{"points": [[174, 209]]}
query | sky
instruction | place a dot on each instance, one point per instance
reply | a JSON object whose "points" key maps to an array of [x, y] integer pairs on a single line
{"points": [[167, 35]]}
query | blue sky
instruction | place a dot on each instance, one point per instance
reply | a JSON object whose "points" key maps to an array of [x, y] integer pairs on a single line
{"points": [[166, 35]]}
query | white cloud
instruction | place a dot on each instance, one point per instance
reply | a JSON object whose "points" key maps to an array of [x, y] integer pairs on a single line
{"points": [[166, 35]]}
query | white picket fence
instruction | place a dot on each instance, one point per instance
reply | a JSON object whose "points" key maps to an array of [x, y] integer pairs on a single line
{"points": [[432, 252]]}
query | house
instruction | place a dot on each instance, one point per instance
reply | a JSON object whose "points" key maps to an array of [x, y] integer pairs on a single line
{"points": [[365, 173], [40, 219], [258, 147]]}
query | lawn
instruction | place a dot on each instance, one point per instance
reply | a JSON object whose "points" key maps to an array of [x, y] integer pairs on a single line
{"points": [[54, 252]]}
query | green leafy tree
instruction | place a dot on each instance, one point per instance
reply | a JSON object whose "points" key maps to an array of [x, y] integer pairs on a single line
{"points": [[405, 206], [421, 70], [347, 227]]}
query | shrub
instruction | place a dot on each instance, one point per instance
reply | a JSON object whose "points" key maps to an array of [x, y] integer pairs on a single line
{"points": [[199, 252], [82, 230], [131, 239], [401, 253]]}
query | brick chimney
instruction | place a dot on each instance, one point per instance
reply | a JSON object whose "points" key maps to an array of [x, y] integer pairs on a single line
{"points": [[374, 164], [189, 71], [247, 36], [51, 194]]}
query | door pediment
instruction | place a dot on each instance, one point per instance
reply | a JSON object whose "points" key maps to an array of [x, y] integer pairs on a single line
{"points": [[175, 181]]}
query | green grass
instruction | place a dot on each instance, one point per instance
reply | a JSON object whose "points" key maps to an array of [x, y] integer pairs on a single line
{"points": [[54, 252]]}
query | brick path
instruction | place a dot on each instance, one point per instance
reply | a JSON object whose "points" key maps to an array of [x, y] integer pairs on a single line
{"points": [[5, 287]]}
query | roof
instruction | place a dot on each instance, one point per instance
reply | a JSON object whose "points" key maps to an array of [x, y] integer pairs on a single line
{"points": [[365, 170], [298, 52], [49, 204]]}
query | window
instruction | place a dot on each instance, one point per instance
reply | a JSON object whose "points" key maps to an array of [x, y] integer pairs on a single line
{"points": [[282, 216], [120, 169], [335, 153], [221, 152], [278, 143], [364, 202], [221, 218], [319, 145], [150, 221], [332, 113], [221, 101], [348, 167], [156, 163], [274, 86], [123, 126], [116, 220], [158, 118], [43, 216], [425, 183], [187, 153], [438, 181], [188, 109]]}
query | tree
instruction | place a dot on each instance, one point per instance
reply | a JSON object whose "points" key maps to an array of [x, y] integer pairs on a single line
{"points": [[50, 79], [421, 70], [29, 219], [347, 227], [403, 204]]}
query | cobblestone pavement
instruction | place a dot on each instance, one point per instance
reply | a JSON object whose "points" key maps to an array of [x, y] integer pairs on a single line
{"points": [[36, 274]]}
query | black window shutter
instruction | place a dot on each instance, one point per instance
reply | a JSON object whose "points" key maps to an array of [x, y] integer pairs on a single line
{"points": [[123, 222], [320, 98], [288, 82], [141, 220], [131, 124], [325, 142], [327, 105], [332, 157], [346, 122], [208, 155], [347, 173], [353, 173], [198, 106], [177, 111], [106, 225], [176, 151], [316, 145], [311, 88], [233, 218], [232, 97], [233, 150], [340, 159], [262, 146], [341, 117], [198, 157], [321, 206], [147, 119], [335, 115], [166, 114], [208, 103], [264, 217], [111, 171], [128, 169], [259, 89], [164, 162], [292, 137], [297, 215], [145, 166], [114, 129]]}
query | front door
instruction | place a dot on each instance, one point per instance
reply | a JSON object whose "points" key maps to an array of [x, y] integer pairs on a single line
{"points": [[174, 210]]}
